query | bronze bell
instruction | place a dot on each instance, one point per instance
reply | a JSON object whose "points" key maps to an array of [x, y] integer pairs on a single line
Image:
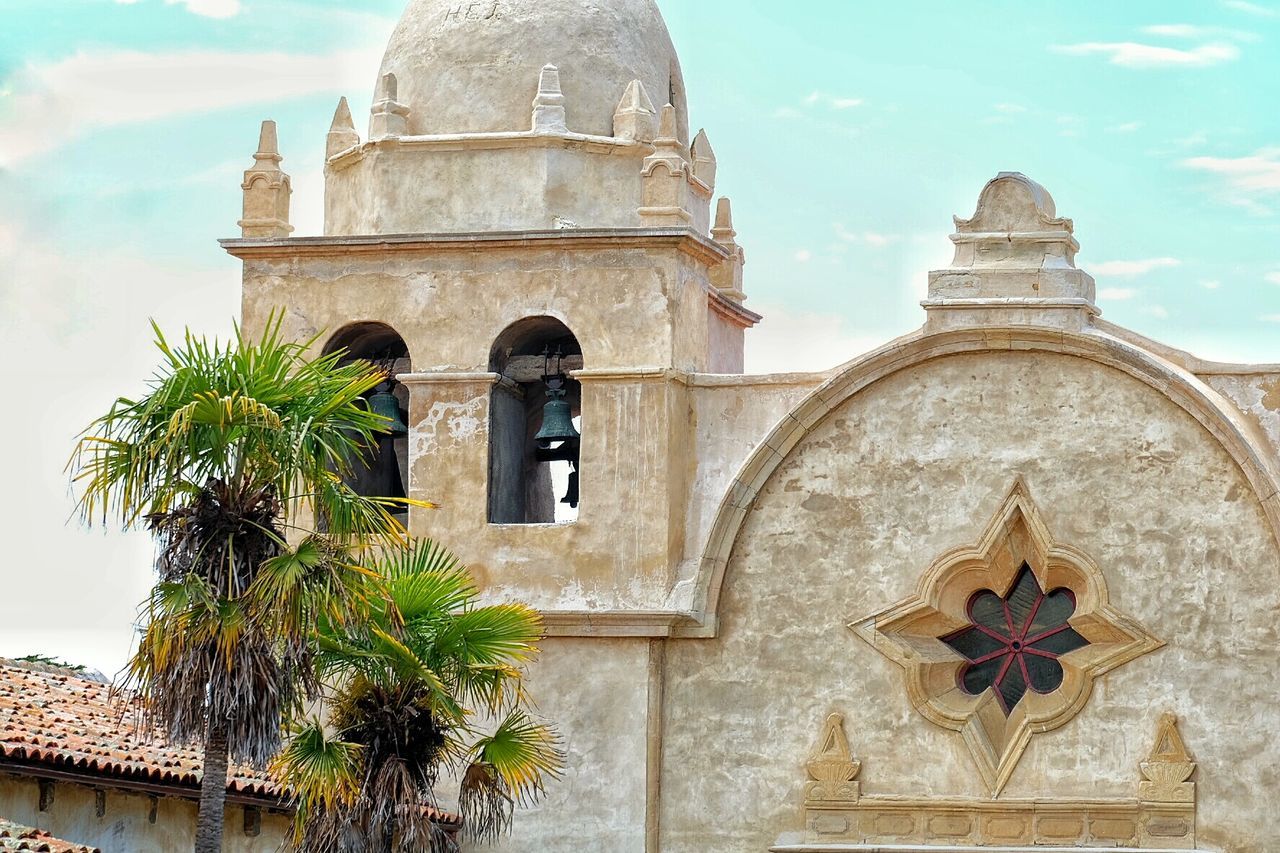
{"points": [[384, 403], [557, 419]]}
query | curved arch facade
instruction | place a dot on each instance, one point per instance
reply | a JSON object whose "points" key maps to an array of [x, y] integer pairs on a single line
{"points": [[1202, 403]]}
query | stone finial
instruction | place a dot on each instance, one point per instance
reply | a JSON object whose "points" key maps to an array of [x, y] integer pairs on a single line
{"points": [[548, 106], [1168, 768], [390, 117], [832, 767], [668, 129], [667, 177], [342, 133], [635, 118], [266, 190], [704, 159], [727, 277], [723, 231], [1014, 264]]}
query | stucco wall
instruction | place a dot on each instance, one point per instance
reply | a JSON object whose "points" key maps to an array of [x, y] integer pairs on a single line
{"points": [[1258, 397], [596, 693], [125, 826], [916, 465], [413, 188]]}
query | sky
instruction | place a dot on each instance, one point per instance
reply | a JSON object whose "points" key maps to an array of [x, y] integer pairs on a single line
{"points": [[848, 134]]}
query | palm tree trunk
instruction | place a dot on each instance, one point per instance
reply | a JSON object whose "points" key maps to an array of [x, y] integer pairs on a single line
{"points": [[213, 788]]}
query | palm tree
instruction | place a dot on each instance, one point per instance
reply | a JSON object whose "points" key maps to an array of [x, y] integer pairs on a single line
{"points": [[414, 686], [229, 451]]}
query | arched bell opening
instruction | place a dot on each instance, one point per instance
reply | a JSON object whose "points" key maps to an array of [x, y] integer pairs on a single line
{"points": [[383, 471], [535, 420]]}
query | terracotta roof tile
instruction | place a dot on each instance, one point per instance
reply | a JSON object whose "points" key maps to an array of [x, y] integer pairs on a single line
{"points": [[16, 837], [74, 724]]}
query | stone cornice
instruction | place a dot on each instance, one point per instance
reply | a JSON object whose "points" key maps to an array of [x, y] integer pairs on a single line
{"points": [[688, 241], [618, 623], [734, 312], [491, 141]]}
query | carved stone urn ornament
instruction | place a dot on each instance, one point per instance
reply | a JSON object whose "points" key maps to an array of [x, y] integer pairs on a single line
{"points": [[1004, 639]]}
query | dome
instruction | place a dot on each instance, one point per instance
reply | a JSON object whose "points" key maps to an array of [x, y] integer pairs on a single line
{"points": [[472, 66]]}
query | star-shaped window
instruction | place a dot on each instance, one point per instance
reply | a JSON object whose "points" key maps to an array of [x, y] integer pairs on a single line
{"points": [[987, 652], [1015, 641]]}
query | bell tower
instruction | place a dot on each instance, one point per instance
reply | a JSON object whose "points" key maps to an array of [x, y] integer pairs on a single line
{"points": [[537, 240]]}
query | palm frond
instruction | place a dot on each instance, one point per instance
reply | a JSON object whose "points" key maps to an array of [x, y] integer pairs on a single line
{"points": [[508, 766]]}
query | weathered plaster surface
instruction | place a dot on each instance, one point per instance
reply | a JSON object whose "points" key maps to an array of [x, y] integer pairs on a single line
{"points": [[467, 67], [914, 466], [125, 826], [596, 692], [628, 307], [642, 318], [731, 414], [1258, 397], [531, 184]]}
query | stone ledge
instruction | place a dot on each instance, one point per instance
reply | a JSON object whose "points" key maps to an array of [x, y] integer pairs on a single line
{"points": [[617, 623], [685, 239], [788, 846]]}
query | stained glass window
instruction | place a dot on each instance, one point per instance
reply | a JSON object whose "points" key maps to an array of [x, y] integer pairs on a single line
{"points": [[1015, 640]]}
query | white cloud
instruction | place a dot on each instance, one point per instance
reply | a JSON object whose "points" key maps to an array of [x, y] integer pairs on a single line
{"points": [[1157, 311], [1010, 108], [1273, 277], [81, 320], [804, 256], [835, 102], [1117, 293], [206, 8], [1245, 179], [1192, 31], [209, 8], [1137, 55], [791, 341], [57, 102], [1127, 127], [1251, 8], [1271, 318], [1211, 284], [1131, 269], [869, 238]]}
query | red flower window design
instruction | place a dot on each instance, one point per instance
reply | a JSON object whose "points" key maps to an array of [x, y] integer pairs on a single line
{"points": [[1015, 640]]}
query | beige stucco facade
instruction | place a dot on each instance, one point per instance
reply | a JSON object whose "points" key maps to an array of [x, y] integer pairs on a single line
{"points": [[750, 618], [123, 820]]}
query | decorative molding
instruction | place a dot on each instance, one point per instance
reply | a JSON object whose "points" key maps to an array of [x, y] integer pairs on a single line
{"points": [[832, 767], [910, 634], [1220, 419], [616, 623], [449, 378], [838, 818], [685, 239]]}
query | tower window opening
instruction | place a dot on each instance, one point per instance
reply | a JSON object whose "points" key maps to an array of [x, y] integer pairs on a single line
{"points": [[383, 469], [535, 425]]}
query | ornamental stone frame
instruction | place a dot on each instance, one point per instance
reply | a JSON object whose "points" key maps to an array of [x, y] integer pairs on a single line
{"points": [[837, 817], [909, 633]]}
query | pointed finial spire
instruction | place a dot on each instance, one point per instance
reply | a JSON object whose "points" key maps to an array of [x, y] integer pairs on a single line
{"points": [[390, 117], [727, 277], [635, 118], [668, 134], [548, 106], [266, 190], [268, 144], [669, 197], [704, 159], [342, 133], [723, 232]]}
